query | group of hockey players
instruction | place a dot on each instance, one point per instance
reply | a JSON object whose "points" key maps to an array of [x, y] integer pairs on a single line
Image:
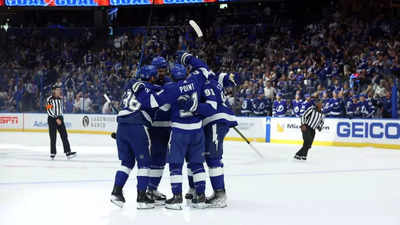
{"points": [[174, 115], [336, 105]]}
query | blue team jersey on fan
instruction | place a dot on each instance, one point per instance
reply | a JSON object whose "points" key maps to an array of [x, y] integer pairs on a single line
{"points": [[336, 107], [279, 108], [137, 108], [223, 114], [367, 109], [353, 109], [259, 106], [305, 105], [246, 105], [296, 107]]}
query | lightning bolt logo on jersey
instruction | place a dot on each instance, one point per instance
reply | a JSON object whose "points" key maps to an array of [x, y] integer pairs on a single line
{"points": [[296, 107], [279, 108]]}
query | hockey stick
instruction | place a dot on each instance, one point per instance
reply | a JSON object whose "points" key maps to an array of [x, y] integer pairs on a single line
{"points": [[199, 34], [113, 134], [248, 142], [196, 28], [145, 37]]}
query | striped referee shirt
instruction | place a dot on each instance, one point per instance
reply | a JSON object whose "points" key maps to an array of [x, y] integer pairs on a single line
{"points": [[54, 107], [312, 118]]}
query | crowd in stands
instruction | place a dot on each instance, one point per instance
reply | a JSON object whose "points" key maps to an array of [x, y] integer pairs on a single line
{"points": [[351, 64]]}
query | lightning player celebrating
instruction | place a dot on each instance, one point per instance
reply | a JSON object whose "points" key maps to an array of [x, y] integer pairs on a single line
{"points": [[133, 121], [187, 136], [216, 127], [159, 134]]}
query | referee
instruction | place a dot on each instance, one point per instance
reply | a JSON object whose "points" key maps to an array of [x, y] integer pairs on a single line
{"points": [[311, 119], [56, 122]]}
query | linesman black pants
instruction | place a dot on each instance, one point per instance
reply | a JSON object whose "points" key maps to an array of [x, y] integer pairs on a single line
{"points": [[308, 138], [53, 127]]}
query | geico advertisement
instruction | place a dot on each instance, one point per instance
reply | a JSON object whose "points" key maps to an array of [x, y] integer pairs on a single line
{"points": [[369, 129]]}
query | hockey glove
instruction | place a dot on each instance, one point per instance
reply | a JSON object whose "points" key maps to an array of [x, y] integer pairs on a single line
{"points": [[234, 78], [136, 87], [185, 103]]}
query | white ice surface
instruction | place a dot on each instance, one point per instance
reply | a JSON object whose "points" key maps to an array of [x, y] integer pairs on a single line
{"points": [[335, 186]]}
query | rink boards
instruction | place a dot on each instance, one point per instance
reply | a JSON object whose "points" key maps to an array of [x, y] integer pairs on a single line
{"points": [[380, 133]]}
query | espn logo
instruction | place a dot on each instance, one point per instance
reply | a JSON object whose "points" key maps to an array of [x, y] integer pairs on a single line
{"points": [[8, 119]]}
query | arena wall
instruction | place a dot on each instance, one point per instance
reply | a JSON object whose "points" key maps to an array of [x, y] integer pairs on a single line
{"points": [[380, 133]]}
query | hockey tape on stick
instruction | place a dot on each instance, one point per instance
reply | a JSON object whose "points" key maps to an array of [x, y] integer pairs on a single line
{"points": [[248, 142], [109, 101], [196, 28]]}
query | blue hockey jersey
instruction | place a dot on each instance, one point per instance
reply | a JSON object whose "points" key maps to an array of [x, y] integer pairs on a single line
{"points": [[279, 108], [246, 106], [137, 108], [335, 108], [191, 87], [259, 107], [296, 107], [223, 114], [305, 105], [367, 109], [353, 110]]}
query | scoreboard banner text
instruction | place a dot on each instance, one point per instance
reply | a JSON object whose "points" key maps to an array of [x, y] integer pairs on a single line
{"points": [[44, 3]]}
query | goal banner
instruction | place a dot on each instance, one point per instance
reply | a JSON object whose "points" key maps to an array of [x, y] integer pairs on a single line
{"points": [[340, 132]]}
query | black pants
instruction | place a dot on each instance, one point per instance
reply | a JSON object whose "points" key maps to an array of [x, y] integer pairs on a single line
{"points": [[308, 138], [53, 127]]}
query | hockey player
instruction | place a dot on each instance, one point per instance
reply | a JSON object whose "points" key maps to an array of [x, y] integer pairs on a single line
{"points": [[279, 106], [296, 106], [159, 134], [366, 107], [134, 120], [307, 103], [187, 137], [162, 70]]}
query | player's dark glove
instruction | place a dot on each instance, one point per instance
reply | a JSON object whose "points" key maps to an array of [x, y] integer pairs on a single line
{"points": [[182, 57], [114, 135], [185, 103]]}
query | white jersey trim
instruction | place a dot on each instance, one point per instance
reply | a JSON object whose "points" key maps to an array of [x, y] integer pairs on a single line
{"points": [[176, 179], [199, 177], [189, 126], [221, 78], [212, 103], [143, 172], [215, 172], [125, 169], [219, 116]]}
